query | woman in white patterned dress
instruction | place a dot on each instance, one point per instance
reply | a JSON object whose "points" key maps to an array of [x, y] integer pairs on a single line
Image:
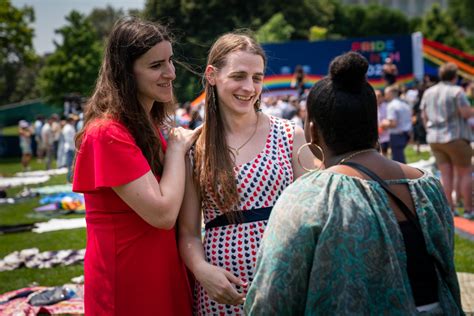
{"points": [[241, 163]]}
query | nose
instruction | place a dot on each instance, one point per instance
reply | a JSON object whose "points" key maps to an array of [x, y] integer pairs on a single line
{"points": [[169, 72], [248, 85]]}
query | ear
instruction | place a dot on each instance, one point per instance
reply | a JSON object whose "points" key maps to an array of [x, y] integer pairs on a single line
{"points": [[210, 75]]}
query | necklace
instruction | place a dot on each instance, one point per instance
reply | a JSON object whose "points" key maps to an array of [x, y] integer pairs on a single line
{"points": [[344, 159], [236, 150]]}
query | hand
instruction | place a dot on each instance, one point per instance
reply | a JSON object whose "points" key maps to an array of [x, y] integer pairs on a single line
{"points": [[218, 283], [181, 138]]}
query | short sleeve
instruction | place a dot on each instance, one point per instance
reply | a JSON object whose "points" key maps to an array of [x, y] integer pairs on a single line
{"points": [[107, 157], [391, 111], [461, 99]]}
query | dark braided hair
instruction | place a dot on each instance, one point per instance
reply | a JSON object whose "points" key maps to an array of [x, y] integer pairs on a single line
{"points": [[344, 107]]}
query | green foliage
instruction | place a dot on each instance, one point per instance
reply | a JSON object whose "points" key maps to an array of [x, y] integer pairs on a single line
{"points": [[462, 13], [16, 49], [276, 30], [372, 20], [317, 33], [74, 66], [437, 25], [103, 19]]}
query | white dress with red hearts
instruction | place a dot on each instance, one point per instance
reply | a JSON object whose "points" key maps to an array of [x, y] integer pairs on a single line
{"points": [[260, 182]]}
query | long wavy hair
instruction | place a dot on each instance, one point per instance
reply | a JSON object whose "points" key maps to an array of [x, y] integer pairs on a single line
{"points": [[115, 94], [214, 165]]}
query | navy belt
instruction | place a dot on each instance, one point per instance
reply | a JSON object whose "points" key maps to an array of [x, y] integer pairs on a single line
{"points": [[247, 216]]}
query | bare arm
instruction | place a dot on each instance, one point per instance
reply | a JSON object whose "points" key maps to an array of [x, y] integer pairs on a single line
{"points": [[466, 111], [306, 158], [217, 281], [464, 108], [159, 203]]}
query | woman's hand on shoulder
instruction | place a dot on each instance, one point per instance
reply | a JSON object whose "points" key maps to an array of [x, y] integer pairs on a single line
{"points": [[182, 139], [219, 284]]}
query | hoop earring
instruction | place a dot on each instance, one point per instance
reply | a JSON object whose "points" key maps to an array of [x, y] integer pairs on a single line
{"points": [[322, 155]]}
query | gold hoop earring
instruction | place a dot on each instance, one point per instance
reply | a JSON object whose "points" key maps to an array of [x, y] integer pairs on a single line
{"points": [[322, 155]]}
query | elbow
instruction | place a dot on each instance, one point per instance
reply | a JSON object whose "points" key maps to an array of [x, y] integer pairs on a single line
{"points": [[165, 222]]}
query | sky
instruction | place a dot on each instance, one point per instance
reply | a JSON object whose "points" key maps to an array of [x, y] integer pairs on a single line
{"points": [[50, 15]]}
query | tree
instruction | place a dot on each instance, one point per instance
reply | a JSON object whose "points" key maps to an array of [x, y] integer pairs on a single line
{"points": [[74, 65], [16, 48], [372, 20], [276, 30], [103, 20], [438, 26], [197, 23], [462, 13], [317, 33]]}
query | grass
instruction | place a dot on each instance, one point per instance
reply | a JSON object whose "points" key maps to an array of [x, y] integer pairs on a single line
{"points": [[463, 254], [22, 213], [75, 238], [10, 130]]}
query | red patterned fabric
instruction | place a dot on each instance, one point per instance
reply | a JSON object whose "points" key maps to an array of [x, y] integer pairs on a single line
{"points": [[260, 182]]}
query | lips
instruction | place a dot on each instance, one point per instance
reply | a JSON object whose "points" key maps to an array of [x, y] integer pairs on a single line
{"points": [[243, 98], [164, 85]]}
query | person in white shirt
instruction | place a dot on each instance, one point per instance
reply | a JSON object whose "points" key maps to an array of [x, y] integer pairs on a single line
{"points": [[47, 136], [68, 134], [384, 136], [398, 122]]}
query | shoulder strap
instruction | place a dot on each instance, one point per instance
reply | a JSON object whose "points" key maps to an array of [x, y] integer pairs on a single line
{"points": [[403, 207], [410, 216]]}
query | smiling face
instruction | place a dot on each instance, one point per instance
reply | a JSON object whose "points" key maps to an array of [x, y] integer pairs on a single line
{"points": [[154, 72], [239, 83]]}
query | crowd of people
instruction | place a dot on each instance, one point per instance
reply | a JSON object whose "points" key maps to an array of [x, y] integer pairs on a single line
{"points": [[49, 139], [260, 205]]}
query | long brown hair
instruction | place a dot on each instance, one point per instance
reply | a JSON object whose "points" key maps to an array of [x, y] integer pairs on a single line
{"points": [[214, 165], [115, 94]]}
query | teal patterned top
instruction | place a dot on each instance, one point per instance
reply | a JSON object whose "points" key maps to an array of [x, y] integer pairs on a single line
{"points": [[333, 247]]}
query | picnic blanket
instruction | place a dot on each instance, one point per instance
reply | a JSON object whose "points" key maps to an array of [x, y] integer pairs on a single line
{"points": [[19, 181], [39, 173], [32, 258], [16, 302]]}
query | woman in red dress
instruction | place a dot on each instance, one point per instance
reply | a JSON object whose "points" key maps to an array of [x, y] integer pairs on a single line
{"points": [[133, 182]]}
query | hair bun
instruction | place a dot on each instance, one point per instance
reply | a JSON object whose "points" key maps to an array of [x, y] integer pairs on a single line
{"points": [[349, 71]]}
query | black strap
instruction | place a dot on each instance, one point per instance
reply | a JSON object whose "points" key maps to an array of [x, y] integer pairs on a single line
{"points": [[403, 207], [410, 216], [247, 216]]}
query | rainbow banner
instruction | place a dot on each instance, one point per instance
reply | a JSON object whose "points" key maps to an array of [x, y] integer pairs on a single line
{"points": [[435, 54], [413, 55], [315, 58]]}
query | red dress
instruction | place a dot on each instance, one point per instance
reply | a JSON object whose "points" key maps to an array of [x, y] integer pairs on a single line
{"points": [[130, 267]]}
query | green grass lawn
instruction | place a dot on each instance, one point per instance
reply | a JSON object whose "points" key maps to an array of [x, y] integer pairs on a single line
{"points": [[22, 213], [10, 130], [76, 238]]}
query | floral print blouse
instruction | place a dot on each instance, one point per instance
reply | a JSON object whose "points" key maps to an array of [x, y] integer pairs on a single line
{"points": [[333, 247]]}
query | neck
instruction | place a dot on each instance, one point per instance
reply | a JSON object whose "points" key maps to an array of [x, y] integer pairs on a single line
{"points": [[236, 123], [336, 159], [146, 103]]}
